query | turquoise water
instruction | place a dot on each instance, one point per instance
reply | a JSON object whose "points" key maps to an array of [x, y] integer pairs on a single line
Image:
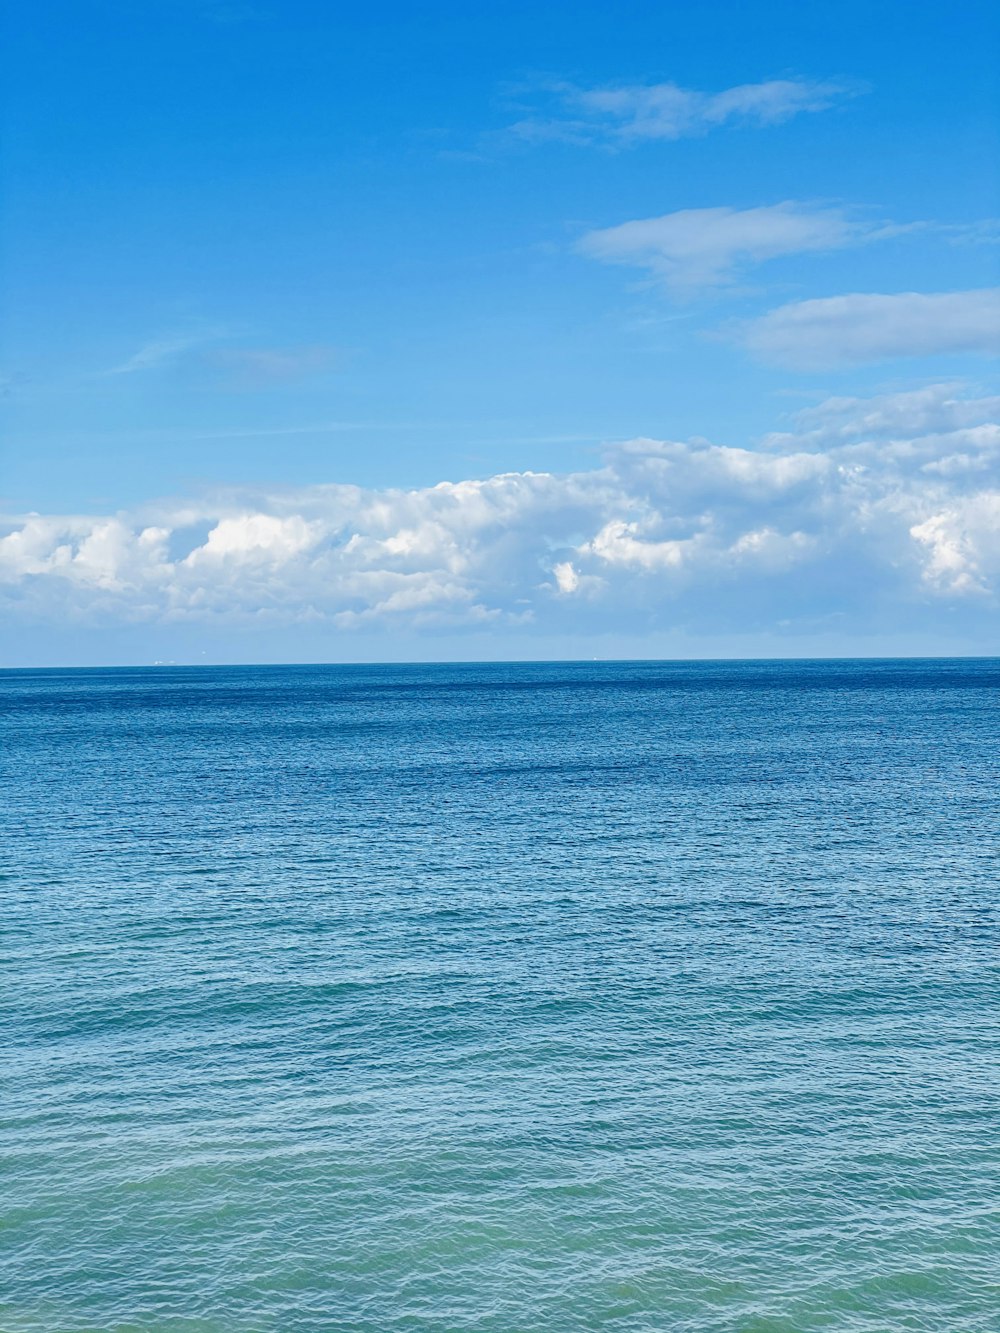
{"points": [[511, 998]]}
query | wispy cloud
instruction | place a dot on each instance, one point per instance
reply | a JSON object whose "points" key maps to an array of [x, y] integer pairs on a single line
{"points": [[625, 114], [260, 367], [706, 247], [161, 352], [242, 366], [894, 507], [863, 327]]}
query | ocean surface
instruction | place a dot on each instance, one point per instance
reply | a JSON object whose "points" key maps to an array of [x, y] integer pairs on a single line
{"points": [[642, 997]]}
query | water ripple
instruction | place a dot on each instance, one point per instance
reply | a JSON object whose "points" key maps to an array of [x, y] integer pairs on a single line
{"points": [[510, 999]]}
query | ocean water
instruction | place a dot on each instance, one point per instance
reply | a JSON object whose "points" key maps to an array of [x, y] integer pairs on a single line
{"points": [[648, 998]]}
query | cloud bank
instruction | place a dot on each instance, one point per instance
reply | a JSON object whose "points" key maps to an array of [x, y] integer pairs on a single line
{"points": [[880, 510]]}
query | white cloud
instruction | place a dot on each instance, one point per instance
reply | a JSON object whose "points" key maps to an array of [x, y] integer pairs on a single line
{"points": [[865, 509], [629, 113], [701, 247], [860, 327], [567, 579], [257, 537], [962, 541], [931, 410]]}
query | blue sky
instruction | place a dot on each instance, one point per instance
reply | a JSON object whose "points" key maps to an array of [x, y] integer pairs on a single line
{"points": [[274, 273]]}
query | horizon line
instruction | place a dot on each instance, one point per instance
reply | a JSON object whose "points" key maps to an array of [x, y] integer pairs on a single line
{"points": [[500, 661]]}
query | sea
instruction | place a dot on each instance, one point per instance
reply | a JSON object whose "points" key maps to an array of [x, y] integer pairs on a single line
{"points": [[638, 997]]}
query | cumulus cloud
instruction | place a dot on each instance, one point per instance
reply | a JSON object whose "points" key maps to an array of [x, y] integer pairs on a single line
{"points": [[625, 114], [859, 327], [962, 544], [701, 247], [881, 507]]}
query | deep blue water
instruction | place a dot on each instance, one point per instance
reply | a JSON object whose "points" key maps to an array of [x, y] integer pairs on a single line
{"points": [[515, 998]]}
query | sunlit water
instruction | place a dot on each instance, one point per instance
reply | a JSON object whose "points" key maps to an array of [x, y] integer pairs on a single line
{"points": [[514, 998]]}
